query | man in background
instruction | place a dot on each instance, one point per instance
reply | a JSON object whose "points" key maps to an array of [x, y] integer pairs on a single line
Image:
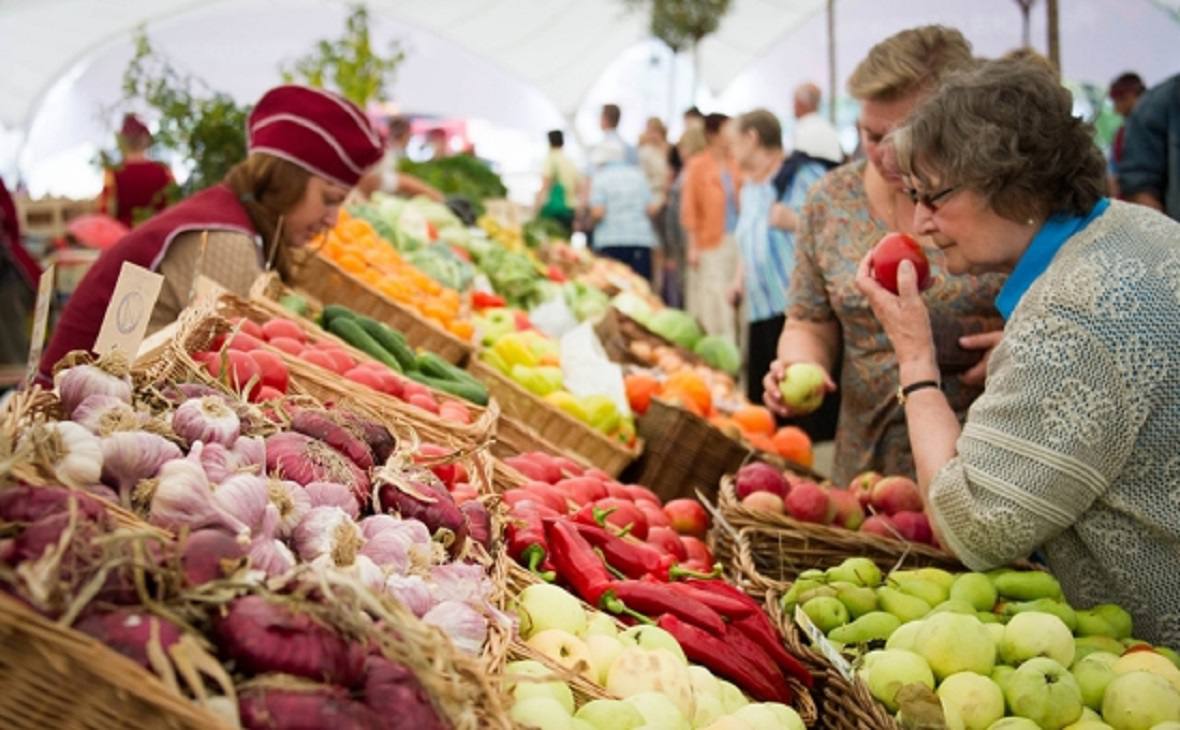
{"points": [[560, 184], [1125, 93], [1149, 171], [814, 135], [609, 122], [620, 205]]}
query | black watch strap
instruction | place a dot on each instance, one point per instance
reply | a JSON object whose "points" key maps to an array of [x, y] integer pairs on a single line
{"points": [[920, 385]]}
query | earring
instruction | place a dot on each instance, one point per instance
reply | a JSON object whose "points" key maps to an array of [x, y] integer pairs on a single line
{"points": [[1032, 222]]}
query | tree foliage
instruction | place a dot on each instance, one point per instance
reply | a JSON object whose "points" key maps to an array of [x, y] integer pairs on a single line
{"points": [[682, 24], [349, 65]]}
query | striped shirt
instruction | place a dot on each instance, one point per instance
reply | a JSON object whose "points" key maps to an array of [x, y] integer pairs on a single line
{"points": [[768, 254]]}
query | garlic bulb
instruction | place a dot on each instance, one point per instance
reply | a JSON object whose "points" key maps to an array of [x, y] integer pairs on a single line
{"points": [[183, 497], [466, 627], [245, 498], [389, 550], [292, 503], [76, 383], [103, 414], [217, 461], [129, 456], [271, 556], [361, 568], [208, 420], [410, 591], [250, 453], [80, 462], [413, 536], [331, 494], [330, 532]]}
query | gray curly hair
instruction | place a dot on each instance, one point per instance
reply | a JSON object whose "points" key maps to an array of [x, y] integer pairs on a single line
{"points": [[1006, 130]]}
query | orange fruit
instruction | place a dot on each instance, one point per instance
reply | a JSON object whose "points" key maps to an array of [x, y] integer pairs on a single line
{"points": [[753, 420], [793, 443], [679, 399], [690, 385], [762, 442], [640, 388], [726, 426]]}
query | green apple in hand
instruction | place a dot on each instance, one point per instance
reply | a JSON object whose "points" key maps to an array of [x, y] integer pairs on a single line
{"points": [[802, 387]]}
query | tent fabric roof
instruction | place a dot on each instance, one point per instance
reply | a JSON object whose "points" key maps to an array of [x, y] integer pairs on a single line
{"points": [[559, 46]]}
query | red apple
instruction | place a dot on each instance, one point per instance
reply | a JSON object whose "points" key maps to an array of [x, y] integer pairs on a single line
{"points": [[582, 489], [638, 493], [762, 501], [624, 515], [808, 502], [698, 551], [687, 516], [888, 254], [914, 527], [862, 485], [845, 508], [759, 477], [896, 494], [653, 513], [880, 525], [666, 540]]}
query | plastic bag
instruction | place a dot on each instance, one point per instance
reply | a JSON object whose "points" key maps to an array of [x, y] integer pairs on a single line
{"points": [[553, 317], [587, 370]]}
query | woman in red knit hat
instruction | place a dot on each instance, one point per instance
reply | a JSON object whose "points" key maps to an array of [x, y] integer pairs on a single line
{"points": [[138, 187], [307, 149]]}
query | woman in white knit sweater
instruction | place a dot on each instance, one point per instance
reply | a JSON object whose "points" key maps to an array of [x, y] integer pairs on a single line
{"points": [[1074, 447]]}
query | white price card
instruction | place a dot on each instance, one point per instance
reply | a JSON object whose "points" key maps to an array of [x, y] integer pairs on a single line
{"points": [[820, 642], [40, 322], [129, 311]]}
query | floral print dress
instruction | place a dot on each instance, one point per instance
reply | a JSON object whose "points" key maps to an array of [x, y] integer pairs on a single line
{"points": [[836, 230]]}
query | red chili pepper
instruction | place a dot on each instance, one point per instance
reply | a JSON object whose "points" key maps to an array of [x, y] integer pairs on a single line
{"points": [[719, 657], [527, 544], [576, 561], [754, 654], [654, 598], [758, 628], [727, 606], [632, 559], [722, 588], [485, 300]]}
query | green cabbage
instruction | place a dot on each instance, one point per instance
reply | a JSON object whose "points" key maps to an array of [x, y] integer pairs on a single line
{"points": [[633, 306], [719, 353]]}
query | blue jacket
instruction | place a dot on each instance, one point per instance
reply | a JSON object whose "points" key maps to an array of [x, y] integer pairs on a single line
{"points": [[1151, 156]]}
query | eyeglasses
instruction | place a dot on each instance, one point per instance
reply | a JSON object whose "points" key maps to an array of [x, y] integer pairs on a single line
{"points": [[931, 201]]}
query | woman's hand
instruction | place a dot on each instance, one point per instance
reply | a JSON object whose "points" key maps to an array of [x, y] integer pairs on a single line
{"points": [[986, 341], [773, 398], [903, 317]]}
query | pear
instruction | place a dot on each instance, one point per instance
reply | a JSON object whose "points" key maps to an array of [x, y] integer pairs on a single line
{"points": [[858, 599], [936, 575], [1084, 645], [826, 612], [1117, 617], [976, 589], [873, 626], [1027, 585], [954, 605], [905, 607], [905, 636], [859, 571], [1045, 605], [801, 585], [928, 591], [988, 617], [1090, 623]]}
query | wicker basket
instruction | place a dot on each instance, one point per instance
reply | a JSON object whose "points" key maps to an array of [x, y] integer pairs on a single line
{"points": [[514, 438], [553, 424], [617, 331], [684, 454], [330, 284], [768, 550]]}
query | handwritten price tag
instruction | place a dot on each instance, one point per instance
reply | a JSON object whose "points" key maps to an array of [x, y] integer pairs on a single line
{"points": [[820, 642], [129, 311]]}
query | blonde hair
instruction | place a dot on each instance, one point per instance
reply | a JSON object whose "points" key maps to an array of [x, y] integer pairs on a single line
{"points": [[691, 142], [910, 61]]}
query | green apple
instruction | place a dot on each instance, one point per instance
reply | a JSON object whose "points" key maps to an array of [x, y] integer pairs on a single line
{"points": [[1169, 725], [978, 700], [954, 605], [1092, 624], [800, 587], [826, 613], [639, 670], [1091, 720], [732, 698], [873, 626], [603, 652], [1045, 692], [976, 589], [904, 636], [600, 624], [1093, 672], [1045, 605], [659, 712], [905, 607], [929, 591], [1148, 661], [1035, 634], [859, 600], [1001, 674], [542, 713], [653, 637], [566, 649], [1140, 700], [886, 671], [858, 571], [610, 715], [543, 606], [515, 674], [769, 716], [1014, 723], [953, 642], [802, 387], [1087, 644]]}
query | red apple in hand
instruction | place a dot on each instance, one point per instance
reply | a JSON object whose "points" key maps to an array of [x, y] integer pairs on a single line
{"points": [[687, 516], [888, 254]]}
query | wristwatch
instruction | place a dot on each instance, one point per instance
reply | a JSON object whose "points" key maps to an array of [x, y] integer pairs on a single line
{"points": [[903, 393]]}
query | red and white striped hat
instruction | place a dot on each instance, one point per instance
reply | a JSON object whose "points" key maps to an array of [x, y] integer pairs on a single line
{"points": [[321, 132]]}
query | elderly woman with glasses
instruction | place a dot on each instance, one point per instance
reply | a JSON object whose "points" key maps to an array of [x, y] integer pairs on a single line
{"points": [[1074, 446]]}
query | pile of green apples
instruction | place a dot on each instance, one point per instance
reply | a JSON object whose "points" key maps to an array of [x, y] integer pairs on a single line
{"points": [[643, 666], [990, 651]]}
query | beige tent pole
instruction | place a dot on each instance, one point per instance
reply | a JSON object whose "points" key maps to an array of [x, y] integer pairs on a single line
{"points": [[832, 89], [1054, 36]]}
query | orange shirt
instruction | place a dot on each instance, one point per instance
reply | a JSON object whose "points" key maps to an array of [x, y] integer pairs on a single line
{"points": [[702, 203]]}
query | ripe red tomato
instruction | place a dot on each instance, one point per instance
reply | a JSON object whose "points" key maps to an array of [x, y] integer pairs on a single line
{"points": [[888, 254], [274, 370]]}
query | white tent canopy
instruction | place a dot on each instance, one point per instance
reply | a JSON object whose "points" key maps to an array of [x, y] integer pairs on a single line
{"points": [[522, 65]]}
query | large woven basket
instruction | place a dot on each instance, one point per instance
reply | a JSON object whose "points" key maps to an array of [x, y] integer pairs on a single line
{"points": [[553, 424], [330, 284], [683, 453], [513, 437], [767, 551], [618, 332]]}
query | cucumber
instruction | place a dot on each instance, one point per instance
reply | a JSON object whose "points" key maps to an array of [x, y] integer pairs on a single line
{"points": [[474, 393], [335, 311], [351, 332], [431, 364], [392, 340]]}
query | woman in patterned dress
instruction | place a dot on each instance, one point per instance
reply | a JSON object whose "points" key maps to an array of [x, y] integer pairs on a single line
{"points": [[828, 321], [1072, 447]]}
